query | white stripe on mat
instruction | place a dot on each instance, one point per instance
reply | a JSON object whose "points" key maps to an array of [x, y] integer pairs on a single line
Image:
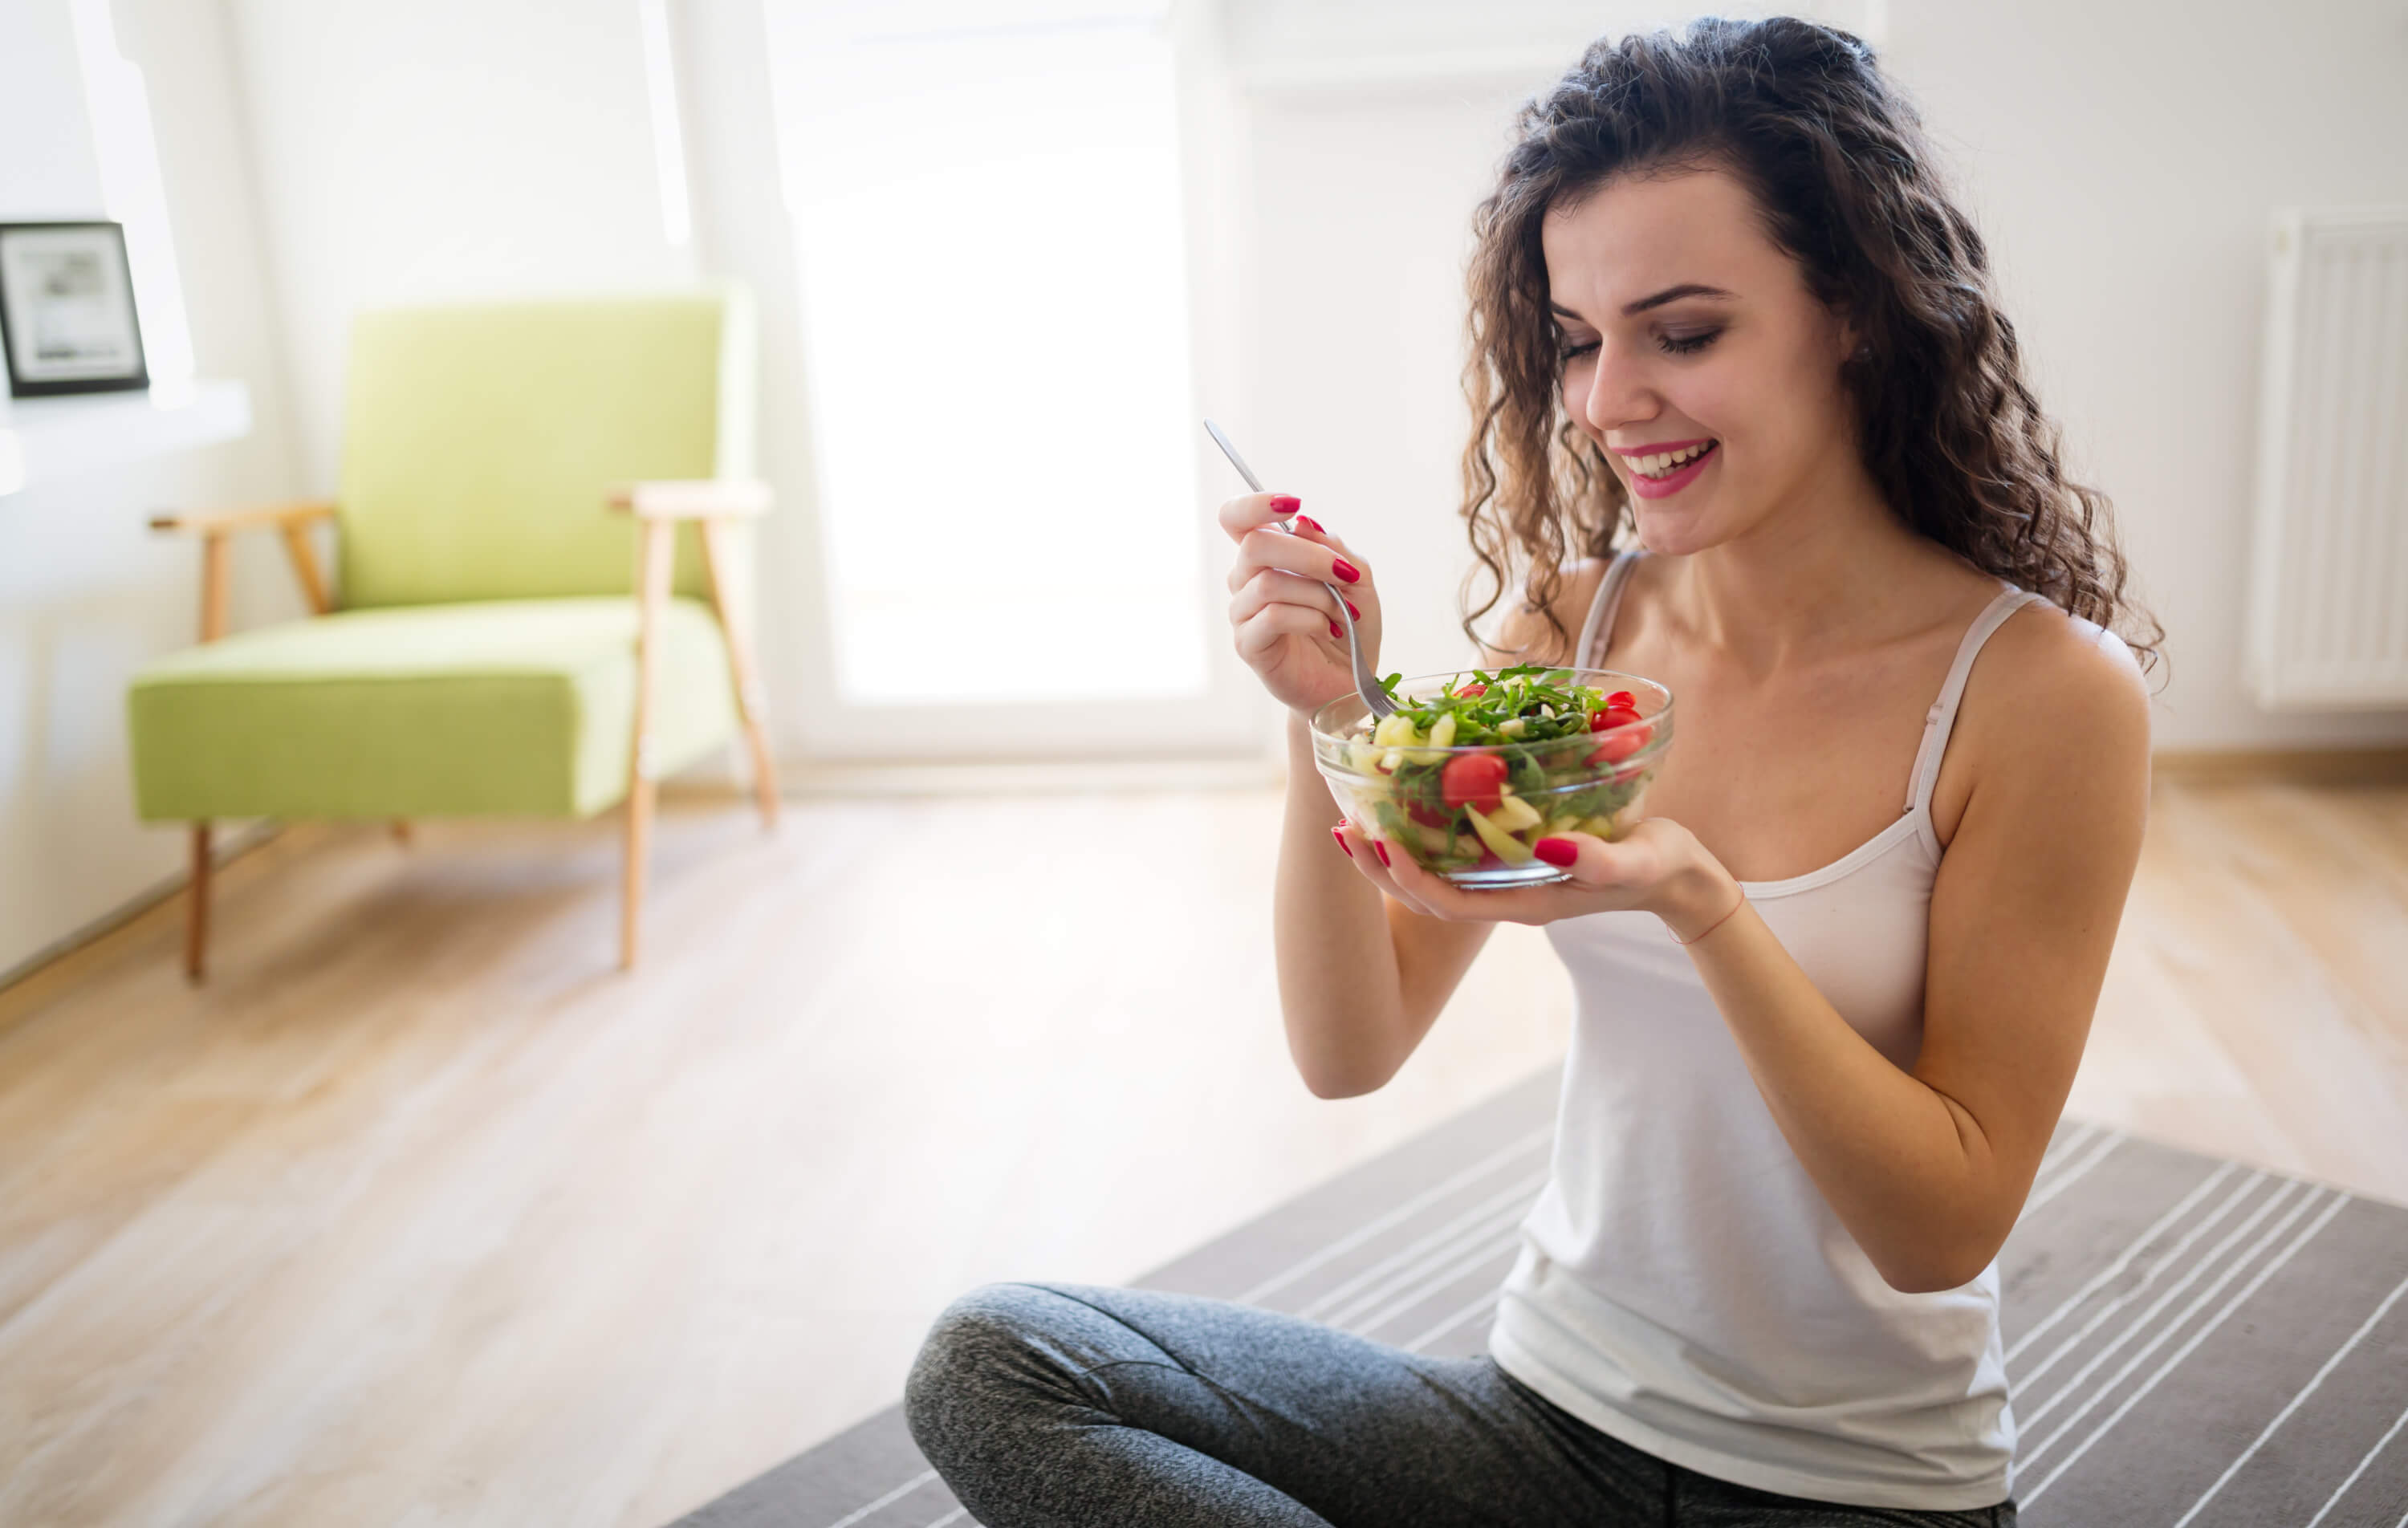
{"points": [[1483, 1235], [1403, 1212], [2284, 1415], [1484, 1303], [956, 1515], [2340, 1202], [2076, 1135], [2342, 1490], [2172, 1261], [2141, 1323], [2074, 1173], [888, 1500], [1436, 1284], [1514, 1203], [2104, 1277]]}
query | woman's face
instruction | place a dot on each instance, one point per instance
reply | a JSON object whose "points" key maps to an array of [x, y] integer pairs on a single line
{"points": [[1695, 357]]}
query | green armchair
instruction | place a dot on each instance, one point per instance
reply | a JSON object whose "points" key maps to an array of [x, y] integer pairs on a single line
{"points": [[512, 475]]}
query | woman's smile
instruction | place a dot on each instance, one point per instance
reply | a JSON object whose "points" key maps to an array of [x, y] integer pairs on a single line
{"points": [[1660, 470]]}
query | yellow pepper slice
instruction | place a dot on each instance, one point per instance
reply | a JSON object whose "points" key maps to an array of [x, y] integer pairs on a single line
{"points": [[1500, 843]]}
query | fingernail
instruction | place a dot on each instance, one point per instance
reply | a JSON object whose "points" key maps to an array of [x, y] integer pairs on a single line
{"points": [[1309, 522], [1381, 850], [1351, 612], [1334, 629], [1344, 569], [1340, 834], [1556, 852], [1286, 504]]}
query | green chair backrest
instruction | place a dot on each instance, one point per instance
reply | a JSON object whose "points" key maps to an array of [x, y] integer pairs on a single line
{"points": [[480, 441]]}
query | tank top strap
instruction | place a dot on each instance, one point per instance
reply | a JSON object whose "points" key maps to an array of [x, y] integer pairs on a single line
{"points": [[1596, 632], [1942, 719]]}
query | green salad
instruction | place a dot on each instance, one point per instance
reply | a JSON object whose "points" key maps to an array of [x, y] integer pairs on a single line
{"points": [[1474, 772]]}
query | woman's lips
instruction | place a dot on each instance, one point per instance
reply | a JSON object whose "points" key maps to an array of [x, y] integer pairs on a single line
{"points": [[1672, 483]]}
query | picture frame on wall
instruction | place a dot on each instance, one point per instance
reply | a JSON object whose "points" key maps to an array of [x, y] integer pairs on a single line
{"points": [[66, 310]]}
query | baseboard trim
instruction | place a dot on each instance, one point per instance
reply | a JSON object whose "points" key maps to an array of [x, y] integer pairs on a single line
{"points": [[1108, 777], [2302, 766], [55, 961]]}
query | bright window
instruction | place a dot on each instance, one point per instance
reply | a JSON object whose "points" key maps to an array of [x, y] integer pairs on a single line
{"points": [[991, 236]]}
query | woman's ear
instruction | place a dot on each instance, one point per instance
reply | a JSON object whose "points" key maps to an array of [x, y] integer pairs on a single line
{"points": [[1853, 346]]}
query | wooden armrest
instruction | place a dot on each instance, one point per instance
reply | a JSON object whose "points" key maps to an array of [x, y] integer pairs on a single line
{"points": [[696, 498], [226, 521], [290, 521]]}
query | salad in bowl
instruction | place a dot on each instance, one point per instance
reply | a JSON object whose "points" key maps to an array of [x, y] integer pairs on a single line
{"points": [[1474, 768]]}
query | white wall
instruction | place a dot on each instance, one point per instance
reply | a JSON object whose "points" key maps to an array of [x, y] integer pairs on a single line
{"points": [[2123, 158], [444, 148], [87, 594]]}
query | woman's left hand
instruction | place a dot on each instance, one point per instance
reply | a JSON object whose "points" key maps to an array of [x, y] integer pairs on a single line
{"points": [[1659, 867]]}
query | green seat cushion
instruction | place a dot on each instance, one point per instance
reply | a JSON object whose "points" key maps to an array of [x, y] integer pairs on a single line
{"points": [[497, 707]]}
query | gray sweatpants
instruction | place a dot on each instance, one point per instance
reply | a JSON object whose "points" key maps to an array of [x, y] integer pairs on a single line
{"points": [[1063, 1406]]}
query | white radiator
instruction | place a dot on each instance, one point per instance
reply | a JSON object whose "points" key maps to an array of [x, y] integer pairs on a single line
{"points": [[2329, 590]]}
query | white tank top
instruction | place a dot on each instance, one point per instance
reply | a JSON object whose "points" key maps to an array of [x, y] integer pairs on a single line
{"points": [[1682, 1284]]}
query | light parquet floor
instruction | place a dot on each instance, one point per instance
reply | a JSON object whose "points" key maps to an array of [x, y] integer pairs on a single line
{"points": [[420, 1213]]}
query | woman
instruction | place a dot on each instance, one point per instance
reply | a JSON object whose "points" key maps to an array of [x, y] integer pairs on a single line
{"points": [[1831, 993]]}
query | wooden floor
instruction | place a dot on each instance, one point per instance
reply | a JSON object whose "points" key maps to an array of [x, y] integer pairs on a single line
{"points": [[421, 1214]]}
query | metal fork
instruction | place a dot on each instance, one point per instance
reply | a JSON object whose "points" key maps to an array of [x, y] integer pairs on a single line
{"points": [[1366, 684]]}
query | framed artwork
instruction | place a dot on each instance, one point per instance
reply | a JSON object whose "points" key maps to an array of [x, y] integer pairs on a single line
{"points": [[66, 309]]}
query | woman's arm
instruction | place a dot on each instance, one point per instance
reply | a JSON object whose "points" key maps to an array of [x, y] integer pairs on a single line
{"points": [[1929, 1169], [1361, 978], [1362, 975]]}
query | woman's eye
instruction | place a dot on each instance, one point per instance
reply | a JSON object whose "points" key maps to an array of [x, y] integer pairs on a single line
{"points": [[1687, 344], [1568, 352]]}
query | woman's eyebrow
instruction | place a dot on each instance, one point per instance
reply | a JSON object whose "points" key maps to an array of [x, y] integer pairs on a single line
{"points": [[1686, 288], [1669, 295]]}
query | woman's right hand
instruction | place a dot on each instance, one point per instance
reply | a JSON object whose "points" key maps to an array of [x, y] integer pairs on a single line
{"points": [[1288, 629]]}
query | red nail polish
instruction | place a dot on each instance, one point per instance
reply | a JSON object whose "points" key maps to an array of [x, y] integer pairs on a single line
{"points": [[1334, 629], [1379, 848], [1340, 834], [1556, 852], [1345, 570], [1351, 612], [1310, 524], [1285, 504]]}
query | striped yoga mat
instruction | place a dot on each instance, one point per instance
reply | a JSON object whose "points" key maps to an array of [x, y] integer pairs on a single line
{"points": [[2192, 1343]]}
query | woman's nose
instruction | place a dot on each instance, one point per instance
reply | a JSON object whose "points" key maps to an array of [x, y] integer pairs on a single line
{"points": [[1618, 392]]}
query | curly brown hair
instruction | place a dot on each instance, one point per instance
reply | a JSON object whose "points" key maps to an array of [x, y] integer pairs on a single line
{"points": [[1837, 160]]}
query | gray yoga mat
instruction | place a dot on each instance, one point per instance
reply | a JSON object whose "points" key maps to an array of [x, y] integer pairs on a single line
{"points": [[2192, 1343]]}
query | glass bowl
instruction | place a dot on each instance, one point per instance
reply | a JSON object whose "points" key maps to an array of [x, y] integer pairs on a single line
{"points": [[1475, 824]]}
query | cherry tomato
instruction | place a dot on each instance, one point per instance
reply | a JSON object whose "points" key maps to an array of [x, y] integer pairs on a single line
{"points": [[1621, 700], [1621, 745], [1612, 715], [1471, 689], [1472, 780]]}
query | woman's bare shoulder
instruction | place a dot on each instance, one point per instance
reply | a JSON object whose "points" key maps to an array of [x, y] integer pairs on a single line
{"points": [[1527, 636], [2076, 678]]}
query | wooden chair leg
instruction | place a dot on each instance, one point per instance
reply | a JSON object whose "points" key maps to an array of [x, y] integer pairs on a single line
{"points": [[729, 594], [655, 559], [765, 776], [197, 908], [631, 887]]}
